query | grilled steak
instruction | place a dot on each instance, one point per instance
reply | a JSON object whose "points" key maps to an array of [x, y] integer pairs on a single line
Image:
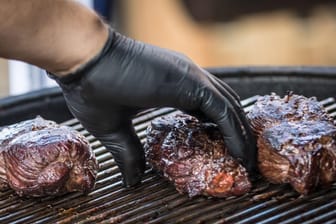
{"points": [[193, 156], [296, 141], [40, 158]]}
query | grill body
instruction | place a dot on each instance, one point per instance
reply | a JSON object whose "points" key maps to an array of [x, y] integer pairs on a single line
{"points": [[156, 201]]}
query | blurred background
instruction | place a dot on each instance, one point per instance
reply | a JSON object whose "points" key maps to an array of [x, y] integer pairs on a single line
{"points": [[212, 33]]}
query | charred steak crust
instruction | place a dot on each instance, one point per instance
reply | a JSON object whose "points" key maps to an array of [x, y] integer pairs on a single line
{"points": [[192, 155], [270, 110], [296, 141], [40, 158]]}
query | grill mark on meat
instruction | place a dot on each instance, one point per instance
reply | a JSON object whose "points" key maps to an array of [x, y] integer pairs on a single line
{"points": [[296, 141], [40, 158], [192, 155]]}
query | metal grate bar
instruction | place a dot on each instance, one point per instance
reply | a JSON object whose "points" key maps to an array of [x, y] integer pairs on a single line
{"points": [[156, 200], [320, 210], [327, 217], [294, 208]]}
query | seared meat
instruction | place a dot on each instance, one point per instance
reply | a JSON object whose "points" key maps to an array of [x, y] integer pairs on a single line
{"points": [[40, 158], [193, 156], [296, 141], [271, 110]]}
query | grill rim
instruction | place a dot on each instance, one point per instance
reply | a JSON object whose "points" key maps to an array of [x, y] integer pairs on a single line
{"points": [[261, 71], [50, 103]]}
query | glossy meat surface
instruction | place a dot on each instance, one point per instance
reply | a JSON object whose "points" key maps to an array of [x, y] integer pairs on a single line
{"points": [[192, 155], [296, 141], [40, 158], [272, 109]]}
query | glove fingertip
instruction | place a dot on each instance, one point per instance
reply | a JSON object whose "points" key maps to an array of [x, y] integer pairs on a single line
{"points": [[132, 182]]}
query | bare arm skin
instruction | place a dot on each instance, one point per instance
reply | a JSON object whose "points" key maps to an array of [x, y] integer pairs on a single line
{"points": [[56, 35]]}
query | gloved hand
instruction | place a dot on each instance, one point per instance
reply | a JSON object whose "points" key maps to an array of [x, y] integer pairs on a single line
{"points": [[128, 76]]}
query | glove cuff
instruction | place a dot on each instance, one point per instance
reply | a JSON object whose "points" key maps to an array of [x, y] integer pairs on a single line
{"points": [[85, 68]]}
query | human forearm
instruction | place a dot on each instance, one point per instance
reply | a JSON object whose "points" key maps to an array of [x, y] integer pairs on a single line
{"points": [[57, 35]]}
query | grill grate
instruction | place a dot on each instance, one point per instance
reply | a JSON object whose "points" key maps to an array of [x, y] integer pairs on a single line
{"points": [[156, 201]]}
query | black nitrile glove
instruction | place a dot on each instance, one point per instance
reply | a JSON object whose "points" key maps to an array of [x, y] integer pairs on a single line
{"points": [[129, 76]]}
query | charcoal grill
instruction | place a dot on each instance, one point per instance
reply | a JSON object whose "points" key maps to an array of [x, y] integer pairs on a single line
{"points": [[155, 200]]}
